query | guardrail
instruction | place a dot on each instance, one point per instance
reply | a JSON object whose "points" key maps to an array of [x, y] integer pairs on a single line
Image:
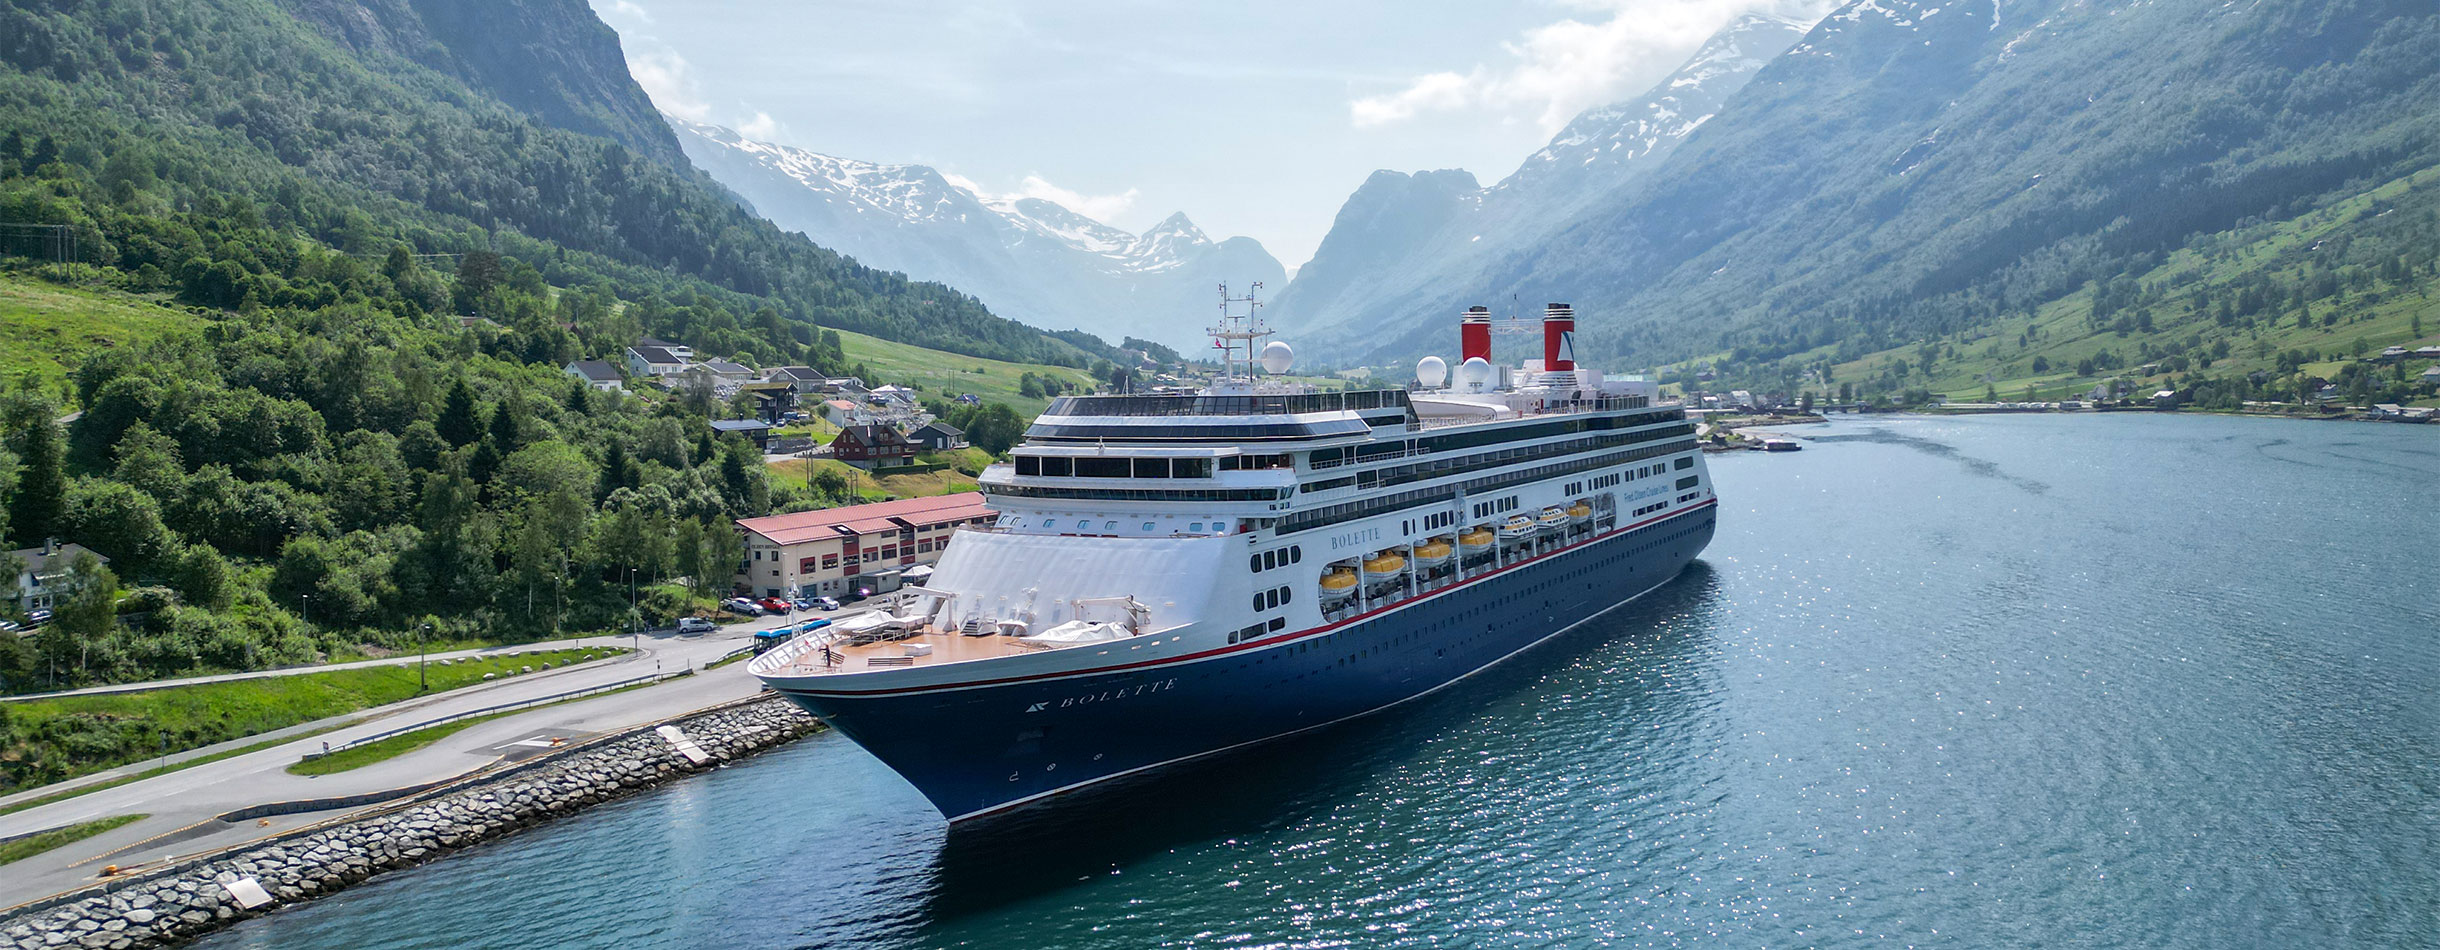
{"points": [[504, 707]]}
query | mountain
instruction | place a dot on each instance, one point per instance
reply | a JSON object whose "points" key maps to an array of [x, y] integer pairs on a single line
{"points": [[1925, 171], [1028, 259], [1400, 234], [551, 59], [443, 126]]}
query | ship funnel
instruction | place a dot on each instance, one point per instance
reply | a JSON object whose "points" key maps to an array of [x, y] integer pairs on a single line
{"points": [[1474, 335], [1558, 338]]}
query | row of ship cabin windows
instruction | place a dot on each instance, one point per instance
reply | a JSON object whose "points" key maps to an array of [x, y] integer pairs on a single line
{"points": [[1085, 526], [1270, 599], [1096, 466], [1276, 558]]}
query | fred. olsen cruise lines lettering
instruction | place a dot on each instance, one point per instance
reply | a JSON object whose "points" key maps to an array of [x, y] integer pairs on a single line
{"points": [[1174, 575]]}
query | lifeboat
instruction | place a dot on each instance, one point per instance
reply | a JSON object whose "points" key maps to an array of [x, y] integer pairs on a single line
{"points": [[1384, 566], [1517, 528], [1338, 585], [1478, 539], [1433, 553], [1579, 513], [1553, 518]]}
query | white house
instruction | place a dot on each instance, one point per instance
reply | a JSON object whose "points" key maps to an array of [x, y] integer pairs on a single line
{"points": [[598, 374], [845, 412], [679, 350], [43, 579], [651, 361]]}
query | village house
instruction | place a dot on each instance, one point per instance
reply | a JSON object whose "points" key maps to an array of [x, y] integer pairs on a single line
{"points": [[597, 374], [42, 575], [938, 436], [653, 361], [827, 551], [872, 446], [756, 431]]}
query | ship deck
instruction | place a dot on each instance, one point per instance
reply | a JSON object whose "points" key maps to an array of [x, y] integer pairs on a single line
{"points": [[808, 658]]}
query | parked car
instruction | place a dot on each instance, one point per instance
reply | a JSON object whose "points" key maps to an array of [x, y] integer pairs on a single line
{"points": [[825, 603], [8, 626], [740, 605], [695, 625], [773, 605], [802, 603], [38, 618]]}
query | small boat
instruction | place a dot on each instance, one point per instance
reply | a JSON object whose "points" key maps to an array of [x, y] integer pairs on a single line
{"points": [[1579, 513], [1433, 553], [1780, 445], [1478, 539], [1517, 528], [1553, 518], [1384, 566]]}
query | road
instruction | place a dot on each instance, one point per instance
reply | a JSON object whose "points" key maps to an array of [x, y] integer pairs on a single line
{"points": [[183, 806], [405, 660]]}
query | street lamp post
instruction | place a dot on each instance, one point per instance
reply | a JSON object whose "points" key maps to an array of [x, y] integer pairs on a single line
{"points": [[305, 609], [422, 635], [635, 617]]}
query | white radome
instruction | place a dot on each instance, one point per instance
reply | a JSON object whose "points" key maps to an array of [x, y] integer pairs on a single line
{"points": [[1431, 371], [1475, 371], [1277, 356]]}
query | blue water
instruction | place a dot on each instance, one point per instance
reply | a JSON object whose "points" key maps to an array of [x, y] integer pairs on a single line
{"points": [[2124, 681]]}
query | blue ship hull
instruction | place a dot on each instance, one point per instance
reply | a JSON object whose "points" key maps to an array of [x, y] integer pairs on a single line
{"points": [[978, 750]]}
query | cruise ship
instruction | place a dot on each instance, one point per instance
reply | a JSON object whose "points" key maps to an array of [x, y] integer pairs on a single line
{"points": [[1171, 576]]}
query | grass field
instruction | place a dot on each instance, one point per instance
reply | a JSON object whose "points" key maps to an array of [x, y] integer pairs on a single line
{"points": [[45, 327], [1990, 359], [47, 740], [947, 374], [30, 846], [794, 473]]}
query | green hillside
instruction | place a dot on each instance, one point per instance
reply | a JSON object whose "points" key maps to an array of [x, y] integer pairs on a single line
{"points": [[46, 329]]}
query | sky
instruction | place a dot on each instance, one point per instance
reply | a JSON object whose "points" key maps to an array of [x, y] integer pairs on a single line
{"points": [[1254, 117]]}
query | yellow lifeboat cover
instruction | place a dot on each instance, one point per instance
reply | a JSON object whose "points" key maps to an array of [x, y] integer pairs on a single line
{"points": [[1338, 580], [1477, 537], [1385, 564], [1432, 549]]}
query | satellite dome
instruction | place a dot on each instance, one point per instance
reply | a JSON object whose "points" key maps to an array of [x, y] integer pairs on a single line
{"points": [[1431, 371], [1277, 357], [1476, 371]]}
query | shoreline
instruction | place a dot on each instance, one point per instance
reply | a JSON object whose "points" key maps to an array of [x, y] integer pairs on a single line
{"points": [[187, 898]]}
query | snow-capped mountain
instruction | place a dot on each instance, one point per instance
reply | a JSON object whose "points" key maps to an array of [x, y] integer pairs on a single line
{"points": [[1029, 259], [1400, 236]]}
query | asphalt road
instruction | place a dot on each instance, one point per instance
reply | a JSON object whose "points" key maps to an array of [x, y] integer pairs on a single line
{"points": [[183, 805]]}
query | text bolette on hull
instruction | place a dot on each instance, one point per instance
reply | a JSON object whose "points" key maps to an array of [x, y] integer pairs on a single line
{"points": [[1176, 575]]}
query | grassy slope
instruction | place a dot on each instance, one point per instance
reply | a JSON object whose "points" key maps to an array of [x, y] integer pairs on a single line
{"points": [[47, 328], [2063, 338], [47, 740], [945, 374], [23, 848]]}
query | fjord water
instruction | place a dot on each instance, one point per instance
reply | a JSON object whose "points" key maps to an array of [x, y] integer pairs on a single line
{"points": [[1997, 681]]}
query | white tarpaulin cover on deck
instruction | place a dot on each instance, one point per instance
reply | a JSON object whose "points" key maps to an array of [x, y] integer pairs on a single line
{"points": [[1080, 631], [1035, 578]]}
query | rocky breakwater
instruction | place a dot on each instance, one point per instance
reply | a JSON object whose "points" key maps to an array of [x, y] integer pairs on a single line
{"points": [[187, 899]]}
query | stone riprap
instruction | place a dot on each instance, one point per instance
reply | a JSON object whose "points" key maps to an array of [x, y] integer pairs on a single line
{"points": [[185, 900]]}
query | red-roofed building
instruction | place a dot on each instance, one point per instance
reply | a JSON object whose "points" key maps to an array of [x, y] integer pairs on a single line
{"points": [[825, 551]]}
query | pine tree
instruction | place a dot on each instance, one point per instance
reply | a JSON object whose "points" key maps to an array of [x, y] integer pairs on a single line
{"points": [[34, 508], [461, 421]]}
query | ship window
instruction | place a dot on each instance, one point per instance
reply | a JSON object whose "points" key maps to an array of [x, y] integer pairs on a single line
{"points": [[1688, 482], [1278, 622], [1685, 463], [1257, 601], [1147, 526], [1253, 563], [1296, 554], [1196, 527], [1190, 468], [1109, 526], [1058, 466], [1152, 468], [1029, 465], [1102, 468]]}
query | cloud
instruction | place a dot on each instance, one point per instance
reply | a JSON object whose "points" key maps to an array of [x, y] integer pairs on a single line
{"points": [[1553, 72], [628, 9], [666, 77], [761, 126], [1103, 208], [1438, 91]]}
